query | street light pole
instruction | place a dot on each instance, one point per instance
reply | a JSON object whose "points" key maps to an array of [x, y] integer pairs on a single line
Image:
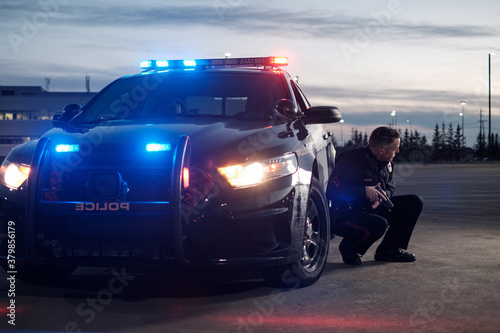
{"points": [[341, 132], [463, 126], [489, 103]]}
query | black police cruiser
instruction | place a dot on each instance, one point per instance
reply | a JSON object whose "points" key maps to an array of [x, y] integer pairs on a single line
{"points": [[208, 161]]}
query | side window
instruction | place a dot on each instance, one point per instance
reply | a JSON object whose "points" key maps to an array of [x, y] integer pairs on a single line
{"points": [[301, 99]]}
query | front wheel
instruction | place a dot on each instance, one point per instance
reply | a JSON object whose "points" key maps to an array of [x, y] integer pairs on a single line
{"points": [[315, 245]]}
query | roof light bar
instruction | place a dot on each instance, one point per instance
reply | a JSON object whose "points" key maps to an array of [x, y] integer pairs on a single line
{"points": [[228, 62]]}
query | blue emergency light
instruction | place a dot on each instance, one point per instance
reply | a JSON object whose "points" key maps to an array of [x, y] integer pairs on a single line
{"points": [[146, 64], [67, 148], [162, 63], [152, 147], [227, 62], [189, 63], [149, 64]]}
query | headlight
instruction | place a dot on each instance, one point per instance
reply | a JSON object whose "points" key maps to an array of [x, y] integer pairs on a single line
{"points": [[13, 175], [246, 175]]}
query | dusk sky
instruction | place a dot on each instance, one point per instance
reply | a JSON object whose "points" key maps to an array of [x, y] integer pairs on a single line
{"points": [[419, 58]]}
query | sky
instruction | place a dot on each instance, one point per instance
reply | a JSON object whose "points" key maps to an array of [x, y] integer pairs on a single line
{"points": [[420, 58]]}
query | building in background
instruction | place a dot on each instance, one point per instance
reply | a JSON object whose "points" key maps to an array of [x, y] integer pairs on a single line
{"points": [[26, 112]]}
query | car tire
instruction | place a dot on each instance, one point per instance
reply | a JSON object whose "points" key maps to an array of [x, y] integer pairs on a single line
{"points": [[316, 242]]}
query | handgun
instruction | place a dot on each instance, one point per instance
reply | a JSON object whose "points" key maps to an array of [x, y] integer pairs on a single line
{"points": [[387, 203]]}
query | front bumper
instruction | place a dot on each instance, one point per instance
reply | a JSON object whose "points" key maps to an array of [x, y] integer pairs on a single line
{"points": [[240, 231]]}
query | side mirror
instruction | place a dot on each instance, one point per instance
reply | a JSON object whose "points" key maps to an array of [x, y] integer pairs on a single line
{"points": [[322, 115], [61, 118], [287, 108]]}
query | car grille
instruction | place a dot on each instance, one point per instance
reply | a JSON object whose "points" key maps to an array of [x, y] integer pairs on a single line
{"points": [[116, 176], [142, 185]]}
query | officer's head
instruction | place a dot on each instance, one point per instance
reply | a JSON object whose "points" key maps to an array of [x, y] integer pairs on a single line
{"points": [[384, 143]]}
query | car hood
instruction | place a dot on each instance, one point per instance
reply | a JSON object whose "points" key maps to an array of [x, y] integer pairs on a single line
{"points": [[229, 140]]}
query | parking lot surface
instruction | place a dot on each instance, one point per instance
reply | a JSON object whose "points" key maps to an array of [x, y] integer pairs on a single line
{"points": [[452, 287]]}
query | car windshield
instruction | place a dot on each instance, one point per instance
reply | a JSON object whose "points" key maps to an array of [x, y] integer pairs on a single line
{"points": [[186, 94]]}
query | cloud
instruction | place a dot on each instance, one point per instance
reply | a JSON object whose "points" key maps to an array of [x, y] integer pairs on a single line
{"points": [[247, 18], [380, 96], [422, 30]]}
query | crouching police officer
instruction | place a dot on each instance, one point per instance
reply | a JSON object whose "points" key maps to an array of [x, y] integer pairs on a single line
{"points": [[361, 192]]}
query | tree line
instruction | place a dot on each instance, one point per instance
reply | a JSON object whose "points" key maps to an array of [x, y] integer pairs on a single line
{"points": [[447, 145]]}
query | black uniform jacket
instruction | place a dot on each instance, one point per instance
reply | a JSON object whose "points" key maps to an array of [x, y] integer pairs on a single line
{"points": [[355, 169]]}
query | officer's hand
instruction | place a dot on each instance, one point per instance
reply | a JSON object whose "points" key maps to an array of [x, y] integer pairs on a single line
{"points": [[374, 196]]}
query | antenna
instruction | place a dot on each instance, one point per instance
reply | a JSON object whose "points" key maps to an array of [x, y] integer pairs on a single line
{"points": [[481, 123], [47, 83], [87, 83]]}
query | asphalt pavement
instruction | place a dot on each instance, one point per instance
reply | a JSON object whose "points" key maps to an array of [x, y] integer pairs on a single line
{"points": [[454, 284], [452, 287]]}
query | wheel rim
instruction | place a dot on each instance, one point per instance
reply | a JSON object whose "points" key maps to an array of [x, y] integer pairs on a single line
{"points": [[311, 249]]}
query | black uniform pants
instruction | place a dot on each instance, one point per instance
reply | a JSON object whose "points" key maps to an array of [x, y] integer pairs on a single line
{"points": [[360, 229]]}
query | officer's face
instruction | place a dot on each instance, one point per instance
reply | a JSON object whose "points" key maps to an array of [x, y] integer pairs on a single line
{"points": [[387, 153]]}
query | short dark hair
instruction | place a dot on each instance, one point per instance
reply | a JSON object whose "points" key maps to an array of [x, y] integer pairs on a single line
{"points": [[383, 136]]}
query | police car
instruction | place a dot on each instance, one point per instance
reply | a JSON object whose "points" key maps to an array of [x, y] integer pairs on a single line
{"points": [[189, 162]]}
